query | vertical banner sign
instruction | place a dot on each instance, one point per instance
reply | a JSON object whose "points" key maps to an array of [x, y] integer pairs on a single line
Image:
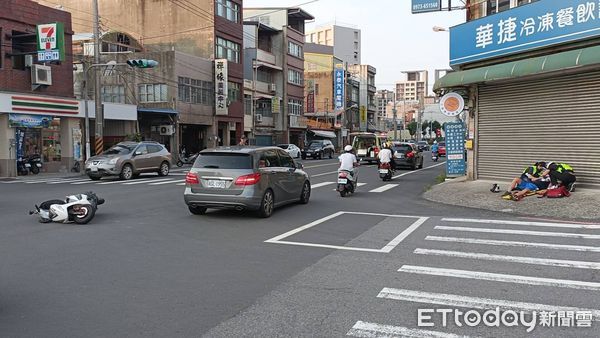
{"points": [[20, 138], [455, 149], [275, 106], [310, 102], [221, 87], [363, 118], [338, 87], [51, 42], [76, 144]]}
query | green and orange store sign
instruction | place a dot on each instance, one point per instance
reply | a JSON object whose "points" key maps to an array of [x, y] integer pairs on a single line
{"points": [[39, 105]]}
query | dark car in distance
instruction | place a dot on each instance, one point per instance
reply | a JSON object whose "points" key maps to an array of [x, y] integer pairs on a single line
{"points": [[318, 149], [423, 145], [407, 155]]}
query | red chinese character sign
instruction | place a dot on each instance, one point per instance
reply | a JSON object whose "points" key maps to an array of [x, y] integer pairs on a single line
{"points": [[221, 87]]}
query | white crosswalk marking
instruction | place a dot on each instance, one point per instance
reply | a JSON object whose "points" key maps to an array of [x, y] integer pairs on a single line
{"points": [[69, 181], [358, 186], [180, 184], [514, 243], [512, 259], [365, 329], [322, 184], [384, 188], [166, 182], [536, 224], [518, 232], [146, 181], [115, 181], [498, 277], [42, 181], [85, 182], [474, 302]]}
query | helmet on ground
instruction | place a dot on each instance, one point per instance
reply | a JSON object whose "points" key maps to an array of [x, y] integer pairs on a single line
{"points": [[348, 148]]}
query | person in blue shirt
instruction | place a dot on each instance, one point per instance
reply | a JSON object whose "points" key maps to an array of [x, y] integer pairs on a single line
{"points": [[434, 148]]}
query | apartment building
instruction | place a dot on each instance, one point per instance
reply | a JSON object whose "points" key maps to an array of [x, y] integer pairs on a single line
{"points": [[414, 87], [346, 41], [368, 108]]}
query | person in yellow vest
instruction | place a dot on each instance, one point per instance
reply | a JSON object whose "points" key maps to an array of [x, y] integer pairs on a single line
{"points": [[561, 172], [531, 176]]}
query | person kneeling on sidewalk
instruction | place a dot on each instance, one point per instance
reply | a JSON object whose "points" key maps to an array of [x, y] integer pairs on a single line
{"points": [[561, 172]]}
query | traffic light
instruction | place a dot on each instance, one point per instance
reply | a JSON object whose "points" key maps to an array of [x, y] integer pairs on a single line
{"points": [[142, 63]]}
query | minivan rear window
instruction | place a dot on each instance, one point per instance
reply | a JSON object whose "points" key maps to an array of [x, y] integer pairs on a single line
{"points": [[223, 161]]}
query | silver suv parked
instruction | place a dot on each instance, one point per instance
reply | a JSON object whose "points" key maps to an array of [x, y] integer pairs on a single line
{"points": [[129, 160], [245, 178]]}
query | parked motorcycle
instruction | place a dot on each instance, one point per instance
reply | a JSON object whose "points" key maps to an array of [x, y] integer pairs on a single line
{"points": [[35, 163], [79, 208], [184, 159], [23, 166], [346, 182], [385, 171], [434, 156]]}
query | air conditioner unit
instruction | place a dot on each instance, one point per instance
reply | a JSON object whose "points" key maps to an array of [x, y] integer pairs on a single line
{"points": [[41, 75], [272, 88], [167, 130], [258, 117]]}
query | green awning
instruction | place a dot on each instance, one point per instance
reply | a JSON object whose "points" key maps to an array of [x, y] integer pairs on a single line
{"points": [[534, 66]]}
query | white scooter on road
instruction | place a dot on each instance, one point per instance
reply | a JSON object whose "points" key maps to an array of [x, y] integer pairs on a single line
{"points": [[79, 208]]}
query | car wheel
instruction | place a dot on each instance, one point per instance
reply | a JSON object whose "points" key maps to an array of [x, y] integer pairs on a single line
{"points": [[164, 169], [305, 194], [421, 166], [95, 178], [298, 155], [267, 204], [126, 172], [197, 210]]}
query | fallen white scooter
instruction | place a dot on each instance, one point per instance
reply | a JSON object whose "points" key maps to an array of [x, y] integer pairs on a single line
{"points": [[79, 208]]}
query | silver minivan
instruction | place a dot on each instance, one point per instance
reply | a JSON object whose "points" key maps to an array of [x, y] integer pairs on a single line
{"points": [[245, 178]]}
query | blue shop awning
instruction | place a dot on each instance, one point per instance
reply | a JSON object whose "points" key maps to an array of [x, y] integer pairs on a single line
{"points": [[158, 110]]}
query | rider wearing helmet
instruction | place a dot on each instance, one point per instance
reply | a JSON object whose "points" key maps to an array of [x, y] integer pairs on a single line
{"points": [[385, 155], [347, 160]]}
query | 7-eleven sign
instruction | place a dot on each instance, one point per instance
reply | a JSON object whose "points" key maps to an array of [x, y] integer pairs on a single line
{"points": [[51, 42]]}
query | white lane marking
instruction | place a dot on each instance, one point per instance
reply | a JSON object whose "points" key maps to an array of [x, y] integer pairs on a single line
{"points": [[321, 165], [386, 249], [511, 259], [180, 184], [116, 181], [304, 227], [384, 188], [391, 245], [519, 232], [358, 186], [322, 184], [166, 182], [42, 181], [514, 243], [69, 181], [374, 330], [178, 173], [416, 171], [323, 174], [85, 182], [537, 224], [498, 277], [146, 181], [474, 302]]}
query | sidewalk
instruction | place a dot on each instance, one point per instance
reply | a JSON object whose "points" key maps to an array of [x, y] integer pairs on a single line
{"points": [[582, 204]]}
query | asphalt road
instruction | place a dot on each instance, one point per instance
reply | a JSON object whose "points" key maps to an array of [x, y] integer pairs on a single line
{"points": [[361, 265]]}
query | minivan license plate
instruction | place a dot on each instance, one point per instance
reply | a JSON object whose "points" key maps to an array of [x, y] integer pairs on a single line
{"points": [[215, 184]]}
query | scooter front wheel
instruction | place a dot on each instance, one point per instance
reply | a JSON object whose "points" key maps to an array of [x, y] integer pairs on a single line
{"points": [[84, 214]]}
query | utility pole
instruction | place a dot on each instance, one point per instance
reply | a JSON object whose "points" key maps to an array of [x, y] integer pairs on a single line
{"points": [[99, 142], [395, 111]]}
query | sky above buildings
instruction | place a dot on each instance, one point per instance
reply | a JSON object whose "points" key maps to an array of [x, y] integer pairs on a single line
{"points": [[393, 39]]}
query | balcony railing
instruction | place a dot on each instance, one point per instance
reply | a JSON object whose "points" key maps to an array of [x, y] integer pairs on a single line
{"points": [[265, 56]]}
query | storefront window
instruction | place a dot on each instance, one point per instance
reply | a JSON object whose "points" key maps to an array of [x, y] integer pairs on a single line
{"points": [[51, 149]]}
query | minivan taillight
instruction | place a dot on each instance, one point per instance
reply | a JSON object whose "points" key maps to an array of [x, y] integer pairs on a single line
{"points": [[248, 179], [410, 154], [191, 178]]}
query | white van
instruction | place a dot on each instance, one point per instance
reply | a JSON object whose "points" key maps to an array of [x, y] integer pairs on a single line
{"points": [[367, 145]]}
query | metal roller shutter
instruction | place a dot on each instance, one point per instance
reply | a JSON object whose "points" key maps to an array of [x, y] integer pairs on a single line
{"points": [[554, 119]]}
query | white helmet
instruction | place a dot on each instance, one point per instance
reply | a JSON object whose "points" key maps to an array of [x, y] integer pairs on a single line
{"points": [[348, 148]]}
